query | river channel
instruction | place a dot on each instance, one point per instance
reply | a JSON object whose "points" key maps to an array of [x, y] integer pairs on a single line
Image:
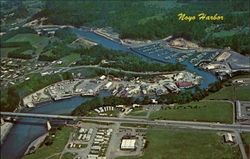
{"points": [[27, 129]]}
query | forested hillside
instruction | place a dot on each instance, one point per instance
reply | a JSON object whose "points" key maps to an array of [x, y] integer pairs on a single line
{"points": [[158, 19]]}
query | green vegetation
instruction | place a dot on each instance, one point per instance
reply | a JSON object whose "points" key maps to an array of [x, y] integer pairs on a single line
{"points": [[66, 35], [246, 142], [224, 93], [17, 13], [67, 60], [19, 49], [59, 48], [206, 111], [5, 51], [179, 144], [96, 55], [239, 93], [138, 112], [21, 30], [154, 20], [134, 125], [141, 113], [24, 45], [10, 97], [68, 155], [33, 39], [56, 145], [55, 50]]}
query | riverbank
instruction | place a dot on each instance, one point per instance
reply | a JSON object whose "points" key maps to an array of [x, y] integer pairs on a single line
{"points": [[4, 130], [25, 131], [36, 144]]}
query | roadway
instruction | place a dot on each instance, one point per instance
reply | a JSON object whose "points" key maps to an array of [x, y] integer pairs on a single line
{"points": [[170, 123], [241, 145], [67, 68]]}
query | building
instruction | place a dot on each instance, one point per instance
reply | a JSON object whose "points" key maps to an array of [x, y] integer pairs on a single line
{"points": [[242, 110], [135, 105], [170, 87], [184, 84], [108, 85], [128, 144], [102, 77], [228, 138]]}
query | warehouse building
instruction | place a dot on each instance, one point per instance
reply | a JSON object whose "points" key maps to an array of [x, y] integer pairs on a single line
{"points": [[128, 144]]}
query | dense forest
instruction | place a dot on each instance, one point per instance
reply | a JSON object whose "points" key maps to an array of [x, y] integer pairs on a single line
{"points": [[158, 19]]}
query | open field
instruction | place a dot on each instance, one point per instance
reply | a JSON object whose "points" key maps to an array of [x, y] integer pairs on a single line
{"points": [[57, 146], [35, 40], [136, 113], [67, 60], [68, 155], [224, 93], [178, 144], [241, 93], [4, 51], [206, 111], [134, 125]]}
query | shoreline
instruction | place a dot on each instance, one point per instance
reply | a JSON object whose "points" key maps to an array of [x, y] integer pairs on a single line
{"points": [[34, 145], [5, 129]]}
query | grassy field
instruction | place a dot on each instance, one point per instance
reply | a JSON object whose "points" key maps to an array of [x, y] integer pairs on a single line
{"points": [[134, 125], [35, 40], [136, 113], [4, 51], [177, 144], [54, 157], [68, 155], [67, 60], [241, 92], [60, 140], [206, 111], [224, 93]]}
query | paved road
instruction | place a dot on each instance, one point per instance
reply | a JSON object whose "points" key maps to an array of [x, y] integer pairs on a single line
{"points": [[115, 70], [239, 141], [182, 124]]}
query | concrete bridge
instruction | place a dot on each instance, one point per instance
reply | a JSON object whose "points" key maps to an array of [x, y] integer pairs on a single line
{"points": [[43, 116], [163, 123]]}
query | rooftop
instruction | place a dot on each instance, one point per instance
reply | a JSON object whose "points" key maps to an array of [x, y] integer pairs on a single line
{"points": [[128, 143]]}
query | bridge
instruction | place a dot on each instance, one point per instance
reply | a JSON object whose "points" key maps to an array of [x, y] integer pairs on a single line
{"points": [[32, 115], [164, 123]]}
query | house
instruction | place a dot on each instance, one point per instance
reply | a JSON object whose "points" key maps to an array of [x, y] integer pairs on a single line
{"points": [[184, 84]]}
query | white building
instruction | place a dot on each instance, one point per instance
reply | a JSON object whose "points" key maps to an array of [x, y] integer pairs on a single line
{"points": [[128, 144], [228, 137], [108, 85]]}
